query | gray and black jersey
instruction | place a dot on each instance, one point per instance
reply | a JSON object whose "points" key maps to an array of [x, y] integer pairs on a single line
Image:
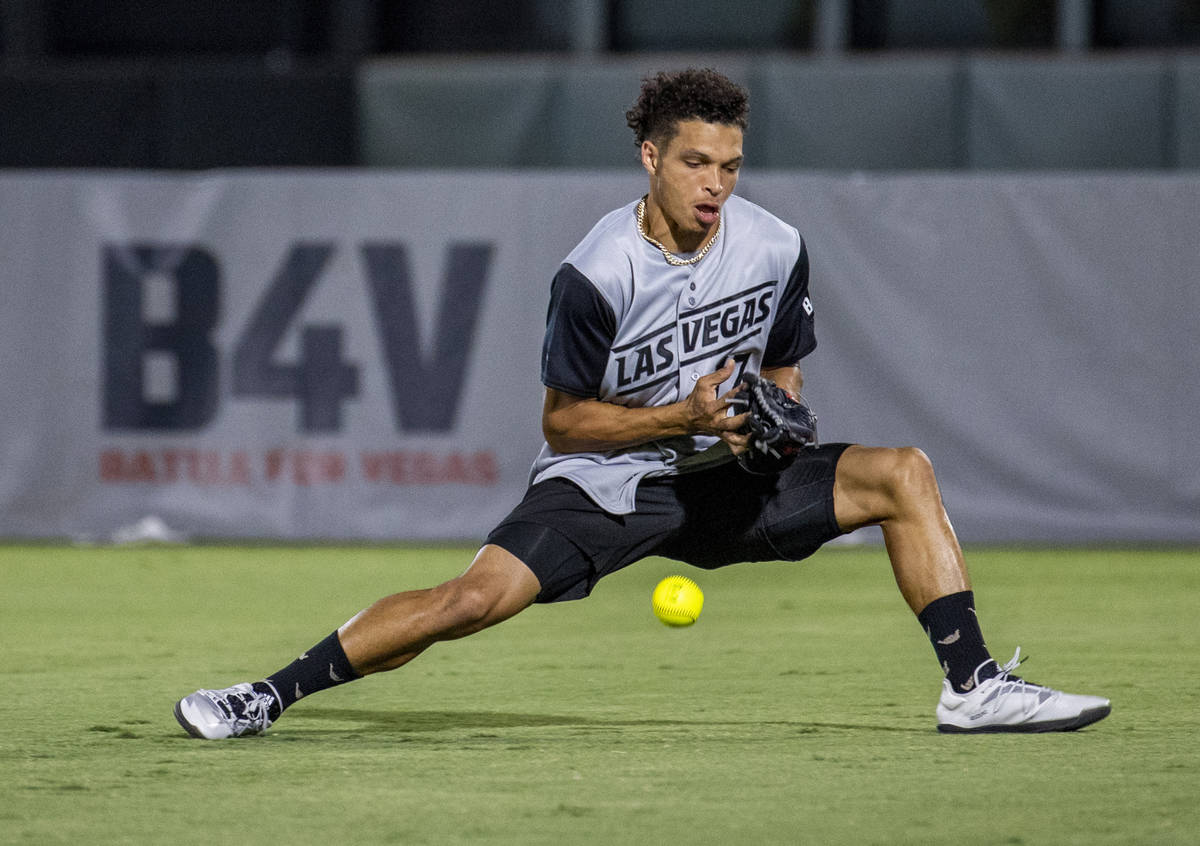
{"points": [[625, 326]]}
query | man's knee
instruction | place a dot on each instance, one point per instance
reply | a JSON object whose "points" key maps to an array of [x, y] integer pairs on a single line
{"points": [[879, 483], [910, 473], [892, 471], [496, 587], [464, 605]]}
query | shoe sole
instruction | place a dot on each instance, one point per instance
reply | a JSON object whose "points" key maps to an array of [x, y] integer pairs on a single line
{"points": [[1083, 718]]}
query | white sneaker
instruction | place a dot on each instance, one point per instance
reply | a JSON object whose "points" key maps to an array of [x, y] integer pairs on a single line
{"points": [[231, 712], [1007, 703]]}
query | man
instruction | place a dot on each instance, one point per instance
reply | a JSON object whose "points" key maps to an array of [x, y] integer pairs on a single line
{"points": [[656, 319]]}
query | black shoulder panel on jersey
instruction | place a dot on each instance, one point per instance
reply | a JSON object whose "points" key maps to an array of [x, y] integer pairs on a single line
{"points": [[792, 333], [580, 327]]}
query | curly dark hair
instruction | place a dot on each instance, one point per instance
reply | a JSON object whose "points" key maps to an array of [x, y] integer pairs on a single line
{"points": [[671, 96]]}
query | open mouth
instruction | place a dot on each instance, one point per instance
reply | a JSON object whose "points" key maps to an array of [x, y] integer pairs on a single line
{"points": [[708, 213]]}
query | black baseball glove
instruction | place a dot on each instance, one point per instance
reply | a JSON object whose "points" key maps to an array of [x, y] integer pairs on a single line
{"points": [[779, 425]]}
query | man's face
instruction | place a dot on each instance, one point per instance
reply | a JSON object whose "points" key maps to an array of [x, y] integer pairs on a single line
{"points": [[690, 179]]}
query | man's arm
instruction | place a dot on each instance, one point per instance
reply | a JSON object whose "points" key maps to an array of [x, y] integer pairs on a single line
{"points": [[578, 424], [789, 378]]}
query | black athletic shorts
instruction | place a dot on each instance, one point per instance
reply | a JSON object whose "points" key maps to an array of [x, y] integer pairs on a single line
{"points": [[709, 518]]}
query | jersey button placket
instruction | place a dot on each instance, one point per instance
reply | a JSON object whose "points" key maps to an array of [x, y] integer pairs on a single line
{"points": [[686, 301]]}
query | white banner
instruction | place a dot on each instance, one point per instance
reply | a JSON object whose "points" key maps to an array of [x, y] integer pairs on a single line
{"points": [[310, 355]]}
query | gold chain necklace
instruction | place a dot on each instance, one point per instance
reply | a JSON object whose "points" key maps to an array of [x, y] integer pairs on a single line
{"points": [[671, 258]]}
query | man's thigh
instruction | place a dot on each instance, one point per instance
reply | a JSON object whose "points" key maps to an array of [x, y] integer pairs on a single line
{"points": [[734, 516], [871, 481], [710, 518], [570, 543]]}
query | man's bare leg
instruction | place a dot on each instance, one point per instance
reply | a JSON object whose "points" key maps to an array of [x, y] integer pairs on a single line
{"points": [[896, 489], [387, 635], [398, 628]]}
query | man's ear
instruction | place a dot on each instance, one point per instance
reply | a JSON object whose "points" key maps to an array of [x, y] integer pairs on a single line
{"points": [[650, 157]]}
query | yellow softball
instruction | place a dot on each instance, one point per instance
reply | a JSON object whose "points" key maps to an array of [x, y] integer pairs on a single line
{"points": [[677, 601]]}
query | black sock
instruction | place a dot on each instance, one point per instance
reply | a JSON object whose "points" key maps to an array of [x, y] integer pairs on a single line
{"points": [[953, 630], [322, 667]]}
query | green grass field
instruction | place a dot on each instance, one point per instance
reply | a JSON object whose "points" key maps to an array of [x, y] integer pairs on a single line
{"points": [[798, 710]]}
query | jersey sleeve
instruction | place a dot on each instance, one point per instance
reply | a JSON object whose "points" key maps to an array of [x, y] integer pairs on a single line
{"points": [[580, 327], [792, 334]]}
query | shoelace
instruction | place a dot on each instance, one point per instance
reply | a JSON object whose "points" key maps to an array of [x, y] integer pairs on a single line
{"points": [[1032, 696], [1013, 663], [243, 709]]}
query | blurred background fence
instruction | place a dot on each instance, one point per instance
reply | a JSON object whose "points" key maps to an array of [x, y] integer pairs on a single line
{"points": [[838, 84], [239, 241]]}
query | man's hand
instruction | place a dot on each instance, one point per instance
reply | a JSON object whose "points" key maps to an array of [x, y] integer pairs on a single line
{"points": [[708, 414], [779, 426], [584, 424]]}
